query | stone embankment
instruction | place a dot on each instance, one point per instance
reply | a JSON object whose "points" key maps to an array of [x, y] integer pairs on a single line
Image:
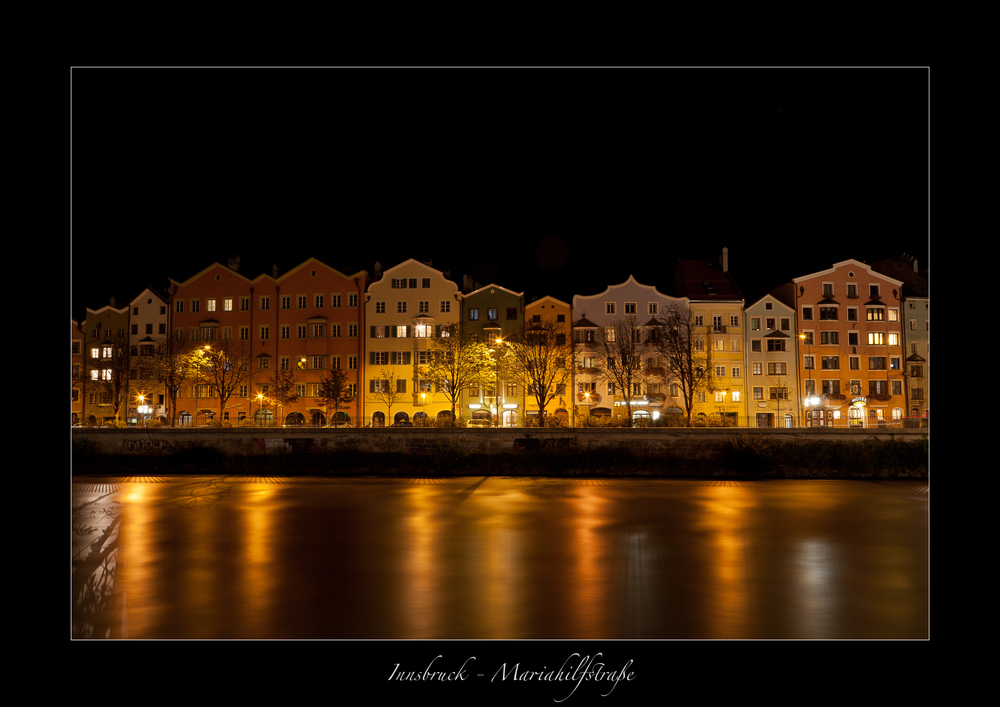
{"points": [[667, 452]]}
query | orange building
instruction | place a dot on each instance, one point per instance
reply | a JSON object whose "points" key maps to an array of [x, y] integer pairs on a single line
{"points": [[558, 313], [282, 333], [850, 346]]}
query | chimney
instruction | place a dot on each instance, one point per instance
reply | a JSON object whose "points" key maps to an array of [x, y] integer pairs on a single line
{"points": [[724, 259], [112, 302], [274, 271], [234, 263], [915, 265]]}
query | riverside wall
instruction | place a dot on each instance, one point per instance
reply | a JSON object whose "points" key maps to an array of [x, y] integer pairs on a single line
{"points": [[646, 451]]}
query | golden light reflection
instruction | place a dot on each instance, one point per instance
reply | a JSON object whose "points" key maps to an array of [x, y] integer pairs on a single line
{"points": [[257, 587], [590, 586], [421, 568], [725, 517]]}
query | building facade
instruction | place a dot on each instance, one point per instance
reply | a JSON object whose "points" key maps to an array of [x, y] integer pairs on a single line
{"points": [[405, 310], [543, 312], [491, 314], [78, 363], [279, 334], [771, 348], [851, 346], [105, 387], [717, 307], [148, 322], [596, 319]]}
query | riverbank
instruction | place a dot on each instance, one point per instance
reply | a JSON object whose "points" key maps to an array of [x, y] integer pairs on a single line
{"points": [[686, 453]]}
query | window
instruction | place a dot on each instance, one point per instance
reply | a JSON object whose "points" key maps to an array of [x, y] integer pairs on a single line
{"points": [[876, 363], [402, 331], [777, 369], [210, 305], [808, 363], [352, 299], [473, 314], [758, 393], [244, 304], [179, 308], [778, 393], [893, 315], [754, 323], [511, 314], [877, 388], [286, 332], [828, 313], [445, 305], [775, 344], [876, 314], [609, 307], [318, 301], [244, 333], [335, 331], [227, 304], [424, 307], [873, 291], [831, 387], [334, 300], [757, 368], [380, 308], [317, 331], [352, 330], [194, 305], [852, 290], [630, 308], [897, 387], [828, 289], [492, 314], [265, 302], [785, 324], [380, 332], [264, 362], [399, 358], [301, 301], [769, 323], [830, 362], [893, 339], [283, 363], [829, 337], [734, 320], [653, 308], [135, 329], [265, 332], [378, 358], [876, 338], [807, 314], [317, 363], [716, 323], [720, 371], [854, 363], [352, 363], [807, 338], [720, 396], [401, 307], [399, 283], [736, 372], [425, 282]]}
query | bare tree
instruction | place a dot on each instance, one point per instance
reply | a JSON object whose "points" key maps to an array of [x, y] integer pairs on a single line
{"points": [[387, 390], [223, 365], [110, 372], [458, 361], [540, 360], [335, 392], [283, 389], [685, 358], [621, 348]]}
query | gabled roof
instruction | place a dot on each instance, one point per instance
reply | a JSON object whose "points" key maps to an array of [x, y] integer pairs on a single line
{"points": [[494, 286], [852, 263], [584, 323], [630, 281]]}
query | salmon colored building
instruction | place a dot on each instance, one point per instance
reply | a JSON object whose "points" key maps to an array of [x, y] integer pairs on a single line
{"points": [[284, 332], [850, 346], [560, 314]]}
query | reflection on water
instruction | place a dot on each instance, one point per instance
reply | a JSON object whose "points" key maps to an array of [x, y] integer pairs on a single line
{"points": [[222, 557]]}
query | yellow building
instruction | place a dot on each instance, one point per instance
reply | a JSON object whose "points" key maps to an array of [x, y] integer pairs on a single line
{"points": [[717, 306], [559, 313], [405, 309]]}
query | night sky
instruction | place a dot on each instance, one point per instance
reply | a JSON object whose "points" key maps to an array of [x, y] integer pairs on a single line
{"points": [[548, 181]]}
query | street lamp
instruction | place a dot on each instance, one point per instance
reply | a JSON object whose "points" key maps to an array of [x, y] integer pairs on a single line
{"points": [[260, 402]]}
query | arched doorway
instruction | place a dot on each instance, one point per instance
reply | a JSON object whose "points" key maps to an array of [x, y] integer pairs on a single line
{"points": [[295, 419], [318, 419], [341, 419], [184, 419], [509, 418], [444, 417], [400, 417], [378, 419], [263, 418], [420, 418]]}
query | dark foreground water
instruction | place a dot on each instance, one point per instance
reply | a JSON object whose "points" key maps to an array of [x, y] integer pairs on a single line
{"points": [[498, 558]]}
